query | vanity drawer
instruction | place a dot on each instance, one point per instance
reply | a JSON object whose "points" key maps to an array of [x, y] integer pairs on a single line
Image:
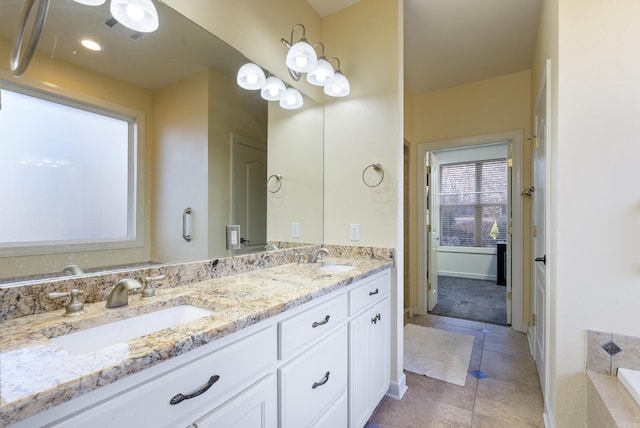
{"points": [[311, 382], [308, 326], [148, 404], [371, 291]]}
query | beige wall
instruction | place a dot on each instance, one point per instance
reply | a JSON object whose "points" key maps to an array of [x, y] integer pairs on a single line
{"points": [[83, 83], [596, 199], [484, 107]]}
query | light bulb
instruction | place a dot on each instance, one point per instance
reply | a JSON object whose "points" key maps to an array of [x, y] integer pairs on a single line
{"points": [[252, 79], [301, 61], [135, 12]]}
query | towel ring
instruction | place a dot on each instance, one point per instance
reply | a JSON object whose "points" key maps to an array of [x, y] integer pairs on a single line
{"points": [[20, 60], [277, 177], [377, 168]]}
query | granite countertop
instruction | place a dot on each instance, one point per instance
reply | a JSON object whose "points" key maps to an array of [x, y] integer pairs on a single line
{"points": [[36, 374]]}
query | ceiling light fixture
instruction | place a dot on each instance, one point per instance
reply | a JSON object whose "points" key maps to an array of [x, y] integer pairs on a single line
{"points": [[92, 45], [251, 77]]}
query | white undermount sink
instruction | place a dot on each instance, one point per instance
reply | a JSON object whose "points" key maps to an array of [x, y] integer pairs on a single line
{"points": [[103, 336], [337, 268], [631, 380]]}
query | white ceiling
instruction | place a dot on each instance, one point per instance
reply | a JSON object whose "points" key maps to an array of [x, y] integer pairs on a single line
{"points": [[452, 42]]}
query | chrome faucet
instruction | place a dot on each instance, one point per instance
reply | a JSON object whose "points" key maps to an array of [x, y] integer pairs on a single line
{"points": [[120, 293], [318, 254]]}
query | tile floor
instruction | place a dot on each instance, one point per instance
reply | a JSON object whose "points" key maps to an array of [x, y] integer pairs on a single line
{"points": [[509, 396]]}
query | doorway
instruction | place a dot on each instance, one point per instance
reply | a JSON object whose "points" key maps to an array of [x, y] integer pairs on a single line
{"points": [[436, 236]]}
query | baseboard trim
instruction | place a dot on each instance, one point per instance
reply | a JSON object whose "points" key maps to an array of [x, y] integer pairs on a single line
{"points": [[468, 275], [397, 389]]}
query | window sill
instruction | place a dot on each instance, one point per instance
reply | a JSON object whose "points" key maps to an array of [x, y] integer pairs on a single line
{"points": [[467, 250]]}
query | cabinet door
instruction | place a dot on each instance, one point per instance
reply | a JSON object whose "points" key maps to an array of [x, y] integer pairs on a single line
{"points": [[254, 408], [360, 369], [380, 351]]}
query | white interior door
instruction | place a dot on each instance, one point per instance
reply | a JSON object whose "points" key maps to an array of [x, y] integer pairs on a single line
{"points": [[432, 237], [250, 191], [539, 241]]}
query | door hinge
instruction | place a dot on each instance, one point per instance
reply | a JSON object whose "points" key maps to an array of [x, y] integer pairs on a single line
{"points": [[510, 163], [535, 231], [428, 286], [533, 320], [427, 169], [428, 228], [535, 142], [509, 230], [509, 296]]}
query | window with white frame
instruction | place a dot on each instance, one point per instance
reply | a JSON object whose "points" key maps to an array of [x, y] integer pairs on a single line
{"points": [[68, 172], [473, 203]]}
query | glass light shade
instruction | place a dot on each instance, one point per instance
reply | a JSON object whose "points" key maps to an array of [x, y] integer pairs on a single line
{"points": [[292, 99], [138, 15], [302, 57], [273, 89], [338, 86], [90, 2], [250, 76], [322, 74]]}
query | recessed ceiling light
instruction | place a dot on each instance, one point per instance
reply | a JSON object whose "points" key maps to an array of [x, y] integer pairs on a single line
{"points": [[91, 44]]}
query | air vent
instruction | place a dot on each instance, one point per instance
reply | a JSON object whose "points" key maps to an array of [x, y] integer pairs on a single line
{"points": [[111, 22]]}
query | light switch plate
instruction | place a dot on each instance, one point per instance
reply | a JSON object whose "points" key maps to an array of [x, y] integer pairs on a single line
{"points": [[295, 230]]}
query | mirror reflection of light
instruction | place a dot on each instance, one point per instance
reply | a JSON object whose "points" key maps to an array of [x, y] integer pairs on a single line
{"points": [[91, 44], [135, 12], [49, 163]]}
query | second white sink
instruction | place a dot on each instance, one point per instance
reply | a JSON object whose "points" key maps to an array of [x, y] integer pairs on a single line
{"points": [[103, 336]]}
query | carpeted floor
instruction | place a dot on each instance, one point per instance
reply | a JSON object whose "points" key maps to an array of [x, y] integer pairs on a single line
{"points": [[471, 299]]}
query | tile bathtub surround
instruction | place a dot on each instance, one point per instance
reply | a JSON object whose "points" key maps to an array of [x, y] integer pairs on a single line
{"points": [[36, 374], [609, 404], [606, 352]]}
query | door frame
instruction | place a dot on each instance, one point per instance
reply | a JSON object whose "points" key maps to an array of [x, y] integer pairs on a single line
{"points": [[517, 234]]}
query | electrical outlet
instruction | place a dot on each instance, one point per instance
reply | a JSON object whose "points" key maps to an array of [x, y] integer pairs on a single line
{"points": [[295, 230], [354, 232], [233, 237]]}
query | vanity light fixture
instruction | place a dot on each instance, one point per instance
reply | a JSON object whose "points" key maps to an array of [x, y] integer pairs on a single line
{"points": [[292, 99], [301, 57], [323, 72], [251, 77], [273, 89], [339, 85], [138, 15]]}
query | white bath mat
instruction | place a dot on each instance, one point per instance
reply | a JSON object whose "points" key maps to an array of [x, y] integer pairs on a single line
{"points": [[439, 354]]}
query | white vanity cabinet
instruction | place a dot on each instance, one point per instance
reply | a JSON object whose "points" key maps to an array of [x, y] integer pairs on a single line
{"points": [[212, 375], [323, 364], [369, 341]]}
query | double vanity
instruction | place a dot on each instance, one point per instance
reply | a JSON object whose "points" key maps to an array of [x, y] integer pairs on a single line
{"points": [[296, 344]]}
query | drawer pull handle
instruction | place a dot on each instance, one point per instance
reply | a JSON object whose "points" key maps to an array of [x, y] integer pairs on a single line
{"points": [[324, 380], [371, 293], [319, 323], [180, 397]]}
